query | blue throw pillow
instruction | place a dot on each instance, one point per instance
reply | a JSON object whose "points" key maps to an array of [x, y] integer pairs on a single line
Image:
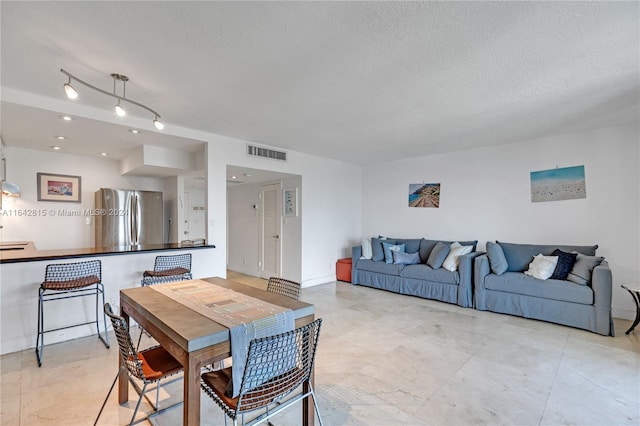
{"points": [[565, 264], [377, 252], [388, 248], [400, 258], [497, 260], [438, 255]]}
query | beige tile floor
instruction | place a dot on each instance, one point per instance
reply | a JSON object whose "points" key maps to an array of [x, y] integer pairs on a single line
{"points": [[383, 359]]}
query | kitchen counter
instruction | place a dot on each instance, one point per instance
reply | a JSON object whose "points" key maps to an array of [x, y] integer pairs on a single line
{"points": [[26, 251]]}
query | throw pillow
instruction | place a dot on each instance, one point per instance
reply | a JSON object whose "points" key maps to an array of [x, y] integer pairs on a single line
{"points": [[400, 258], [583, 268], [542, 267], [367, 252], [389, 248], [452, 260], [565, 264], [497, 260], [438, 255], [377, 252]]}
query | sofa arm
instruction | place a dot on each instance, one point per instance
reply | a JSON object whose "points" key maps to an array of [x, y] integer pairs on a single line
{"points": [[356, 253], [465, 287], [602, 286], [481, 269]]}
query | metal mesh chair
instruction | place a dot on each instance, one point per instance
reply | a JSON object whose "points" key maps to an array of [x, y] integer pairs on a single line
{"points": [[275, 367], [67, 281], [165, 270], [284, 287], [168, 269], [148, 367]]}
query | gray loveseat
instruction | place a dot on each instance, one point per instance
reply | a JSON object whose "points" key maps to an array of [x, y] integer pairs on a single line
{"points": [[583, 303], [418, 279]]}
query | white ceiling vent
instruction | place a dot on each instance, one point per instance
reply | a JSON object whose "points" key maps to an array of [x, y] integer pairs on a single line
{"points": [[257, 151]]}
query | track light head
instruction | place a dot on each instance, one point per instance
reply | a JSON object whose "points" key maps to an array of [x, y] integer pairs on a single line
{"points": [[120, 111], [70, 91], [159, 124]]}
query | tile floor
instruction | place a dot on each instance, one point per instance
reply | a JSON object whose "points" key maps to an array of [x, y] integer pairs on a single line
{"points": [[383, 359]]}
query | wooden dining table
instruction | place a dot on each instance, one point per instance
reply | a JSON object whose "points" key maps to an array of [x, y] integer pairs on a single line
{"points": [[193, 339]]}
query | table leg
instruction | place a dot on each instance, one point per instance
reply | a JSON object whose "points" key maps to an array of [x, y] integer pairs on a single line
{"points": [[636, 299], [191, 409], [123, 380]]}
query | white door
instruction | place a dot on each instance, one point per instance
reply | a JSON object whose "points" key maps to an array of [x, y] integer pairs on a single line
{"points": [[271, 242]]}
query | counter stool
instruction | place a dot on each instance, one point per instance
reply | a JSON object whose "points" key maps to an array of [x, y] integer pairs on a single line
{"points": [[165, 270], [169, 268], [66, 281]]}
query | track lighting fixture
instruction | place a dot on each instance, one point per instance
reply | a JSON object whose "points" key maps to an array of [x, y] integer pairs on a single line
{"points": [[120, 111]]}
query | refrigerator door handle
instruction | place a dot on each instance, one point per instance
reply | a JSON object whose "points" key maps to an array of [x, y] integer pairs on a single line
{"points": [[131, 221], [138, 214]]}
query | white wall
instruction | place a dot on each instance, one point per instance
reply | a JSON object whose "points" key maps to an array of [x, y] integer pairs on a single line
{"points": [[485, 195], [55, 230], [331, 205]]}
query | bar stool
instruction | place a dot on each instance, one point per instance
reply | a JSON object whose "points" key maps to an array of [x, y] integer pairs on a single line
{"points": [[168, 268], [67, 281]]}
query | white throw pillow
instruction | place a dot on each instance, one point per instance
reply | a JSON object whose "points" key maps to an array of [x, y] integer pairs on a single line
{"points": [[457, 250], [367, 251], [542, 267]]}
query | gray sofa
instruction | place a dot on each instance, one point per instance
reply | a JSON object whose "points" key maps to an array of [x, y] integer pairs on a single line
{"points": [[586, 305], [418, 279]]}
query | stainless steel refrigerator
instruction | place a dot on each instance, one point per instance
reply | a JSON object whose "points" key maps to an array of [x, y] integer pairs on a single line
{"points": [[128, 218]]}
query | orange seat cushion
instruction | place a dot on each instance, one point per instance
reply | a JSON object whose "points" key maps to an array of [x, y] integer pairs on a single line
{"points": [[166, 272], [71, 284]]}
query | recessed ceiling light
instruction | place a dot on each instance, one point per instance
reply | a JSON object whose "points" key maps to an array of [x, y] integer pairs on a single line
{"points": [[61, 137], [233, 177], [56, 148], [66, 117], [104, 154], [134, 131]]}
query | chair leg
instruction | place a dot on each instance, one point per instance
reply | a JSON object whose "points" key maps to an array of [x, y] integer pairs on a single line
{"points": [[315, 404], [139, 338], [105, 340], [142, 392], [40, 337], [105, 400]]}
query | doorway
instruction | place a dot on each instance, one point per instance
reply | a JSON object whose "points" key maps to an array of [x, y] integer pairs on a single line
{"points": [[270, 230]]}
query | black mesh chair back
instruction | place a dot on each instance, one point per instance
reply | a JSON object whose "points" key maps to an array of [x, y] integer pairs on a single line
{"points": [[148, 366], [284, 287], [168, 269], [275, 367], [68, 281]]}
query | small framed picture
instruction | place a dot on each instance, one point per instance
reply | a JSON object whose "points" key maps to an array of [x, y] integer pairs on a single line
{"points": [[290, 201], [61, 188]]}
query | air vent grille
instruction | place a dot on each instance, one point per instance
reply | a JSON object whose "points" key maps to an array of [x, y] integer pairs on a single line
{"points": [[257, 151]]}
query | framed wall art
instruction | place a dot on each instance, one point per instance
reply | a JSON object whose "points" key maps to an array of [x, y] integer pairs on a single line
{"points": [[61, 188], [424, 195], [290, 201], [566, 183]]}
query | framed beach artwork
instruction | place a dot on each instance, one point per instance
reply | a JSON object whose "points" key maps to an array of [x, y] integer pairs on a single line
{"points": [[424, 195], [566, 183], [63, 188]]}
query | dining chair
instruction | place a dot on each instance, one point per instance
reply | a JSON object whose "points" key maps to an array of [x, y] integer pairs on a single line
{"points": [[166, 269], [68, 281], [169, 268], [276, 366], [284, 287], [149, 366]]}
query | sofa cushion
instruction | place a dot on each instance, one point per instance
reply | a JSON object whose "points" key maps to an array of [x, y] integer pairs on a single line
{"points": [[400, 258], [497, 261], [457, 250], [565, 264], [519, 256], [427, 245], [377, 253], [519, 283], [389, 248], [583, 268], [542, 267], [410, 245], [424, 272], [380, 267], [438, 255]]}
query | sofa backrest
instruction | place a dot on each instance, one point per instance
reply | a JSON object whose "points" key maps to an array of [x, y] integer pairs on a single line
{"points": [[519, 256], [427, 245]]}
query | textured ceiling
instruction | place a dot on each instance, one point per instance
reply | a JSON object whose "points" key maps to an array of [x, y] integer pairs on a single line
{"points": [[363, 82]]}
